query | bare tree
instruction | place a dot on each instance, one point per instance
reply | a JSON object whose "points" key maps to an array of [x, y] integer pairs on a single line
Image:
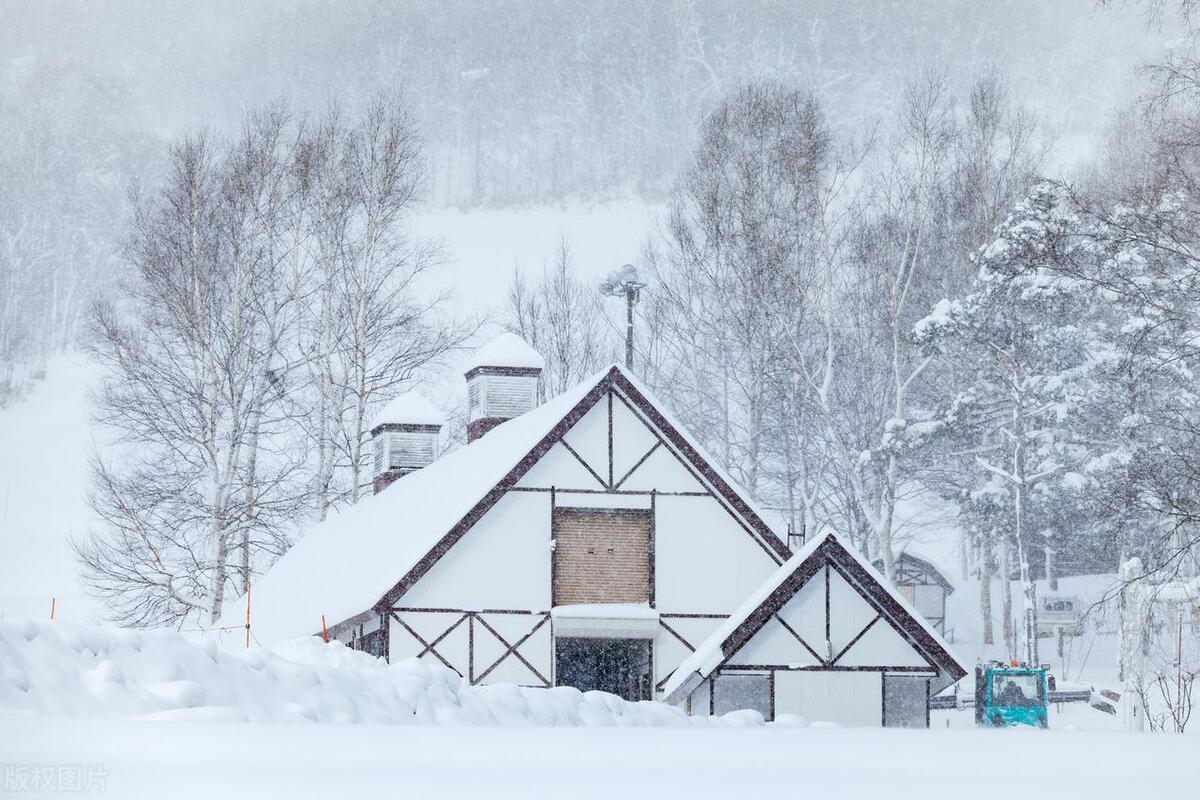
{"points": [[370, 322], [275, 302], [189, 365], [561, 317], [736, 230]]}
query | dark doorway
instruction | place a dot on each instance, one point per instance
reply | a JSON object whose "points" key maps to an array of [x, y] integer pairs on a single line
{"points": [[617, 666]]}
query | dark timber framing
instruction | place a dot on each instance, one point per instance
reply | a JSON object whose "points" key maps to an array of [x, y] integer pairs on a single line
{"points": [[472, 619]]}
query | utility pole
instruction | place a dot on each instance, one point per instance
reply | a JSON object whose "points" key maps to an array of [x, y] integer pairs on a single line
{"points": [[624, 282]]}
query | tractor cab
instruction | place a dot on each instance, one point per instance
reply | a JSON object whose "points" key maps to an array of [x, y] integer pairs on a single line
{"points": [[1011, 693]]}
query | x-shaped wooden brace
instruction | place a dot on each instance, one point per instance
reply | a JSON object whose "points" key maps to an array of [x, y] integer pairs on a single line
{"points": [[512, 649], [429, 646], [823, 660]]}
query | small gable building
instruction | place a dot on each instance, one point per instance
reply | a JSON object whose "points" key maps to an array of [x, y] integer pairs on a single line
{"points": [[823, 638]]}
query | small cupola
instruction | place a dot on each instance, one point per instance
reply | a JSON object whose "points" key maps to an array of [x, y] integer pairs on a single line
{"points": [[405, 435], [502, 383]]}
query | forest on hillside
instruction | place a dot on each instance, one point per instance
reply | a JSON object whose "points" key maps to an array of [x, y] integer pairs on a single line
{"points": [[516, 103]]}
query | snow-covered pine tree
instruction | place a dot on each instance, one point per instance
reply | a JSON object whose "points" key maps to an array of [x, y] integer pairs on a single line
{"points": [[1028, 336]]}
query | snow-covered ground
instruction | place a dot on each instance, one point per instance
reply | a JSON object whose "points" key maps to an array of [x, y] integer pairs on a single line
{"points": [[132, 759], [154, 714]]}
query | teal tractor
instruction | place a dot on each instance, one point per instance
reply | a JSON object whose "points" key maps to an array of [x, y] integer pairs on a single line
{"points": [[1012, 694]]}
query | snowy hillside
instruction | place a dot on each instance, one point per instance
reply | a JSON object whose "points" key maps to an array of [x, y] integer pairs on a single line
{"points": [[45, 439], [484, 246]]}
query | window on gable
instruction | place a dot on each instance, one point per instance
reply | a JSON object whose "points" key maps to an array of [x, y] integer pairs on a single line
{"points": [[601, 556]]}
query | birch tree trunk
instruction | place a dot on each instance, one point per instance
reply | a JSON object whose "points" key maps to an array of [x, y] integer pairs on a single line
{"points": [[1006, 600], [987, 570]]}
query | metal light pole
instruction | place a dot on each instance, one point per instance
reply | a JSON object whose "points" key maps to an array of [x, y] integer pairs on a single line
{"points": [[624, 282]]}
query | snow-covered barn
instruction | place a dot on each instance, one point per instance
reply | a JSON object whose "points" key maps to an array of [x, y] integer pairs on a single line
{"points": [[588, 541]]}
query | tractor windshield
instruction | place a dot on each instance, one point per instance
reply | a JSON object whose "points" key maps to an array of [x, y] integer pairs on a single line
{"points": [[1009, 689]]}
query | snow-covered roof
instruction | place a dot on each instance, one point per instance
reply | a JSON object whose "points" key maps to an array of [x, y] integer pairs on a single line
{"points": [[506, 350], [606, 620], [343, 566], [410, 408], [710, 654]]}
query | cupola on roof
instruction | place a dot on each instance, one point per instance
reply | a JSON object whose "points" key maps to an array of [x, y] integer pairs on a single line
{"points": [[410, 408], [506, 350]]}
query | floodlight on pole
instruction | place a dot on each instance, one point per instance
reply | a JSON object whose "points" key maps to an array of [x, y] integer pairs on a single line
{"points": [[624, 282]]}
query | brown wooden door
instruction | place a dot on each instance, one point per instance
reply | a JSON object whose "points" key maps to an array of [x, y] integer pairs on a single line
{"points": [[601, 556]]}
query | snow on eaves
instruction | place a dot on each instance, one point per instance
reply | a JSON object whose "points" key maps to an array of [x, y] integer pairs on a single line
{"points": [[506, 350], [639, 611]]}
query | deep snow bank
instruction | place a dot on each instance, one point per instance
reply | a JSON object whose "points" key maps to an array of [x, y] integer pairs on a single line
{"points": [[79, 670]]}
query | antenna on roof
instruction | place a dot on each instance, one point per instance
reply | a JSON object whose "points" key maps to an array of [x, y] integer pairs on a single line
{"points": [[624, 282]]}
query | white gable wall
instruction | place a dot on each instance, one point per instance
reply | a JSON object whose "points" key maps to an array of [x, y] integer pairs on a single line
{"points": [[589, 438], [775, 644], [559, 468], [503, 561], [805, 613], [849, 613], [705, 561], [631, 439], [662, 472], [882, 646]]}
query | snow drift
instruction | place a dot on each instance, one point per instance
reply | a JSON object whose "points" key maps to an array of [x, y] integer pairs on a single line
{"points": [[77, 670]]}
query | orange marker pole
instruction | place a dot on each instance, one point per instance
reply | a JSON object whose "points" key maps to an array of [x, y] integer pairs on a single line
{"points": [[324, 630], [247, 616], [53, 604]]}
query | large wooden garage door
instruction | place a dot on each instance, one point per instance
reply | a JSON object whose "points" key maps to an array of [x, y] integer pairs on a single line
{"points": [[846, 698], [601, 556]]}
